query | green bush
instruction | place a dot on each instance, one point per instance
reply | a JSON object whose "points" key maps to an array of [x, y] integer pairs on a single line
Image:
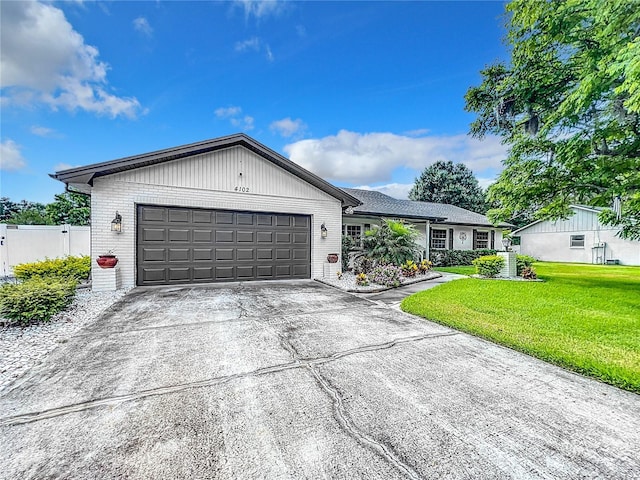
{"points": [[347, 245], [36, 299], [363, 264], [489, 265], [393, 242], [450, 258], [522, 262], [76, 268]]}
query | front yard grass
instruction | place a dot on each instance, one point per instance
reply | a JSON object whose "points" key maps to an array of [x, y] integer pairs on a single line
{"points": [[582, 317], [460, 269]]}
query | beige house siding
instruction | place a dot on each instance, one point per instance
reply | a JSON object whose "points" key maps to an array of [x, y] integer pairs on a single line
{"points": [[207, 181]]}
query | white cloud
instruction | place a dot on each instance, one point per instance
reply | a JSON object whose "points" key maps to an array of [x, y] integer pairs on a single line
{"points": [[395, 190], [141, 25], [234, 114], [288, 127], [63, 166], [227, 112], [261, 8], [486, 182], [419, 132], [269, 53], [42, 131], [372, 157], [44, 60], [10, 157], [252, 43]]}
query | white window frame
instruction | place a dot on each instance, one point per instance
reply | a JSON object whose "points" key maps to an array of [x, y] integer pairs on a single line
{"points": [[433, 239], [358, 237], [477, 245], [573, 239]]}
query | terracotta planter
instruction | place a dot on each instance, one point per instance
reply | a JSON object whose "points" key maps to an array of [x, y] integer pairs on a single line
{"points": [[107, 261], [332, 258]]}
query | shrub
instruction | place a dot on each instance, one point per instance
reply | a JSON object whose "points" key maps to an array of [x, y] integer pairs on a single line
{"points": [[363, 264], [449, 258], [522, 262], [489, 265], [387, 275], [393, 242], [36, 299], [425, 265], [348, 244], [362, 280], [409, 268], [529, 273], [76, 268]]}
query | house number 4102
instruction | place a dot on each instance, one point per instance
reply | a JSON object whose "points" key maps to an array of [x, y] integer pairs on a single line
{"points": [[242, 189]]}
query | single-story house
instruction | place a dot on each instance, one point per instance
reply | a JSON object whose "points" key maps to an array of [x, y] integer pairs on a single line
{"points": [[232, 209], [580, 238], [446, 226]]}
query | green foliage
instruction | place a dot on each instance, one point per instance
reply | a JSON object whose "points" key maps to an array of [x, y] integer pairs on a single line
{"points": [[347, 245], [448, 258], [387, 275], [448, 182], [363, 264], [70, 207], [522, 262], [76, 268], [582, 317], [489, 265], [36, 299], [568, 107], [393, 242]]}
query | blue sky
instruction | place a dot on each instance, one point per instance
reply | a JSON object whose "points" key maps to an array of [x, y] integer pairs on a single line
{"points": [[365, 94]]}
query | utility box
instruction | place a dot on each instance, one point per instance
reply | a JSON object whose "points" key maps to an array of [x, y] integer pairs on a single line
{"points": [[510, 269]]}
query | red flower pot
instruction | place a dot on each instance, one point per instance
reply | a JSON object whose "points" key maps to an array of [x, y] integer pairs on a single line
{"points": [[107, 261], [332, 258]]}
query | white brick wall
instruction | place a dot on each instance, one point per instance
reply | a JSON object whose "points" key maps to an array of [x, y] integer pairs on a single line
{"points": [[109, 195]]}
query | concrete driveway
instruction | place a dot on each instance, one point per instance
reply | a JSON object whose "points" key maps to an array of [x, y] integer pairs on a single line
{"points": [[298, 380]]}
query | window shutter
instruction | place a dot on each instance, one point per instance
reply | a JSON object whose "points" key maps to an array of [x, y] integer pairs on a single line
{"points": [[493, 239], [451, 239], [475, 238]]}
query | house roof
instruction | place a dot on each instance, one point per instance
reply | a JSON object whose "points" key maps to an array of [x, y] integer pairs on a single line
{"points": [[379, 204], [79, 177]]}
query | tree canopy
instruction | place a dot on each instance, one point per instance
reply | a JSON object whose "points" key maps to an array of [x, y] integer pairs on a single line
{"points": [[448, 182], [69, 207], [568, 107]]}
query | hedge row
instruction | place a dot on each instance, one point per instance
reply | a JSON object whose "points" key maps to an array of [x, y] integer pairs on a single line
{"points": [[76, 268], [449, 258]]}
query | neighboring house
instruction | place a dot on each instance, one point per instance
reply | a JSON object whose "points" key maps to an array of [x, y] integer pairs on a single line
{"points": [[226, 209], [446, 226], [581, 238]]}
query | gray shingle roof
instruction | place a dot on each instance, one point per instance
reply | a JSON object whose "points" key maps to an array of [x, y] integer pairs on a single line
{"points": [[377, 203]]}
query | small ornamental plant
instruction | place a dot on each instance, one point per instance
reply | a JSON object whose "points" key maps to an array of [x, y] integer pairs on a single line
{"points": [[339, 274], [528, 273], [425, 265], [489, 265], [409, 268], [362, 280]]}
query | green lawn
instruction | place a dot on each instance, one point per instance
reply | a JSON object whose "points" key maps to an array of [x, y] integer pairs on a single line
{"points": [[583, 317], [462, 269]]}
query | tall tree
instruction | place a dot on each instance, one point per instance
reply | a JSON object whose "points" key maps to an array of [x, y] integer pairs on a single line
{"points": [[448, 182], [568, 106], [70, 207]]}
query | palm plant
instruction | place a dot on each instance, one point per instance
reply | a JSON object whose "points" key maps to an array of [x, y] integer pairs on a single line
{"points": [[393, 242]]}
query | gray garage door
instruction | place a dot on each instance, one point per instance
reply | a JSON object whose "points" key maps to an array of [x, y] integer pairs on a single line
{"points": [[190, 245]]}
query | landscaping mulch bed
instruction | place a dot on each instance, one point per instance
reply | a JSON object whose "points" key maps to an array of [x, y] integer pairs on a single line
{"points": [[348, 282]]}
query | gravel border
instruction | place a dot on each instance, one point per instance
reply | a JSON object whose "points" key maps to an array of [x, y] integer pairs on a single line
{"points": [[348, 282], [22, 348]]}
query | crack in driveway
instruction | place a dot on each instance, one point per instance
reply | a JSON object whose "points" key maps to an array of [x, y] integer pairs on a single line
{"points": [[297, 363]]}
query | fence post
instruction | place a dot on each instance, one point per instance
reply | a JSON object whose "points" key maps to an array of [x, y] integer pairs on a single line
{"points": [[4, 251], [66, 240]]}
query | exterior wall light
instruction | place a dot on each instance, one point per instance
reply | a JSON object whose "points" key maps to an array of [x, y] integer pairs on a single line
{"points": [[323, 231], [506, 243], [116, 223]]}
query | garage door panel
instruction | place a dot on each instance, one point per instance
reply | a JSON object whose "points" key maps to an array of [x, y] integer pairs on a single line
{"points": [[187, 245], [202, 236], [224, 253], [153, 234]]}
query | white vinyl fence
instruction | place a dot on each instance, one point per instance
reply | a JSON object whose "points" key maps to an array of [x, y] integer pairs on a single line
{"points": [[30, 243]]}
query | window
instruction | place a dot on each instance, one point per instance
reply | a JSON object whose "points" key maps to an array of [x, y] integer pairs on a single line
{"points": [[577, 241], [438, 239], [482, 240], [515, 240], [355, 232]]}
